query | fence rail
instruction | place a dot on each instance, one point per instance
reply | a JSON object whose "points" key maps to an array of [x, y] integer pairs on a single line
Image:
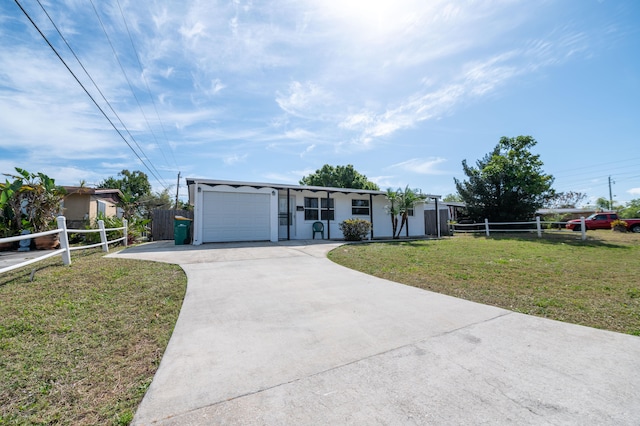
{"points": [[65, 249], [533, 226]]}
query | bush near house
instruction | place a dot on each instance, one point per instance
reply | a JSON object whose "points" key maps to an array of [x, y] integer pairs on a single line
{"points": [[355, 229]]}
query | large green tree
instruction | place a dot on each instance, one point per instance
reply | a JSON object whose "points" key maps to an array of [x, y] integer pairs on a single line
{"points": [[158, 200], [507, 184], [631, 210], [135, 183], [338, 177], [136, 192]]}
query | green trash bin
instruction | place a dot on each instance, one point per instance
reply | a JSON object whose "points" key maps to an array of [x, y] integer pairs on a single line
{"points": [[182, 230]]}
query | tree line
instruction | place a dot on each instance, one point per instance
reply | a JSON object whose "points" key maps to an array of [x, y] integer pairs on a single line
{"points": [[508, 184]]}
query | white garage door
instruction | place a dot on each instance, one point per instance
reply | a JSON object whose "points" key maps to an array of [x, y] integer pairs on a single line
{"points": [[231, 216]]}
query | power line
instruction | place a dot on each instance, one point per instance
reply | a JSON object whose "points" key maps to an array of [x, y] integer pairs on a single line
{"points": [[115, 54], [84, 88], [598, 169], [148, 89], [600, 165], [90, 77]]}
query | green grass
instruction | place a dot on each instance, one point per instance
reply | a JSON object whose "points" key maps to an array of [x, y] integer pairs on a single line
{"points": [[81, 343], [594, 282]]}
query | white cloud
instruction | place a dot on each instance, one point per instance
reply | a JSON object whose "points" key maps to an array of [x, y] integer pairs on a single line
{"points": [[428, 166], [193, 30], [234, 159], [290, 178], [307, 150], [385, 182], [298, 134], [216, 86], [304, 99], [634, 191]]}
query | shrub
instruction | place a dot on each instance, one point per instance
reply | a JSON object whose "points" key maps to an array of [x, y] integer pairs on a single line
{"points": [[355, 229], [619, 225]]}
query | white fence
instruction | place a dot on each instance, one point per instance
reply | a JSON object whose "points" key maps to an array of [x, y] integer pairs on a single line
{"points": [[534, 226], [65, 249]]}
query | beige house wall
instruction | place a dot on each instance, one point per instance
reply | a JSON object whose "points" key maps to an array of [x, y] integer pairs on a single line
{"points": [[79, 207], [110, 210], [76, 206]]}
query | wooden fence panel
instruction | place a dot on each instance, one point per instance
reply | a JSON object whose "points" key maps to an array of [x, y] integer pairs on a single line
{"points": [[162, 223]]}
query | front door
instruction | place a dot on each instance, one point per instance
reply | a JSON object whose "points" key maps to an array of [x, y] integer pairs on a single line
{"points": [[285, 220]]}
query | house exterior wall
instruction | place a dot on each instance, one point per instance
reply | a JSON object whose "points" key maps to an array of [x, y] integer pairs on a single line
{"points": [[343, 210], [76, 206], [110, 209], [81, 207], [93, 209], [198, 219], [309, 206]]}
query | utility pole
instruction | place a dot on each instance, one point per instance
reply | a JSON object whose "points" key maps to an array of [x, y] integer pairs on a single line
{"points": [[610, 196], [178, 190]]}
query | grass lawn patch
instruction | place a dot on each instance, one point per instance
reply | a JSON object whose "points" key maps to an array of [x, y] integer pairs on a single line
{"points": [[80, 344], [594, 282]]}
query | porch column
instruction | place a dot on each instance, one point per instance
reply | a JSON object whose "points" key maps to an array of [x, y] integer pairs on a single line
{"points": [[371, 213], [328, 216], [288, 214], [437, 217]]}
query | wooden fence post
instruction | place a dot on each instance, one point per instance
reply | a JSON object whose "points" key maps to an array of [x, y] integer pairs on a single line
{"points": [[125, 224], [103, 236], [486, 227], [538, 227], [64, 240], [583, 228]]}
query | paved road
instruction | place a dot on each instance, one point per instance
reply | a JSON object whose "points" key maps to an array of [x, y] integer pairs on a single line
{"points": [[276, 334]]}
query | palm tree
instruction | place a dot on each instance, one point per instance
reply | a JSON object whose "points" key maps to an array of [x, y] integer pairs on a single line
{"points": [[407, 200], [393, 208]]}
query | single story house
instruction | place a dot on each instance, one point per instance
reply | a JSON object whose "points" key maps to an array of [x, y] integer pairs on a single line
{"points": [[250, 211], [82, 205]]}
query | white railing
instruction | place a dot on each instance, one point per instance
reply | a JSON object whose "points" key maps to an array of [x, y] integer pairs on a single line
{"points": [[65, 249], [534, 226]]}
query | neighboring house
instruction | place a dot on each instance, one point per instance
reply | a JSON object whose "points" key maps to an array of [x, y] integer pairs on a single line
{"points": [[81, 205], [247, 211]]}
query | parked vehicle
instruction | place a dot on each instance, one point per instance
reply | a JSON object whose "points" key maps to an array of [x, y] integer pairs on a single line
{"points": [[603, 221]]}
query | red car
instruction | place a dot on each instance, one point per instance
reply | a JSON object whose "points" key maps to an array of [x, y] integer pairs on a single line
{"points": [[602, 221]]}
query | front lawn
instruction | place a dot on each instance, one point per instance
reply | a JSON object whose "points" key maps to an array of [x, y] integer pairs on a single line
{"points": [[594, 282], [80, 344]]}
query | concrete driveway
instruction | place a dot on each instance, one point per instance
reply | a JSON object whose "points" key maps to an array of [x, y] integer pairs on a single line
{"points": [[276, 334]]}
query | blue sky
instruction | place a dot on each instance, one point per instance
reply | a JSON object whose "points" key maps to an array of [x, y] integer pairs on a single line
{"points": [[269, 91]]}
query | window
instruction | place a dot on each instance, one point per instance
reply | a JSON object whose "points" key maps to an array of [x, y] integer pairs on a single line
{"points": [[310, 208], [327, 212], [360, 207], [312, 212], [409, 212]]}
